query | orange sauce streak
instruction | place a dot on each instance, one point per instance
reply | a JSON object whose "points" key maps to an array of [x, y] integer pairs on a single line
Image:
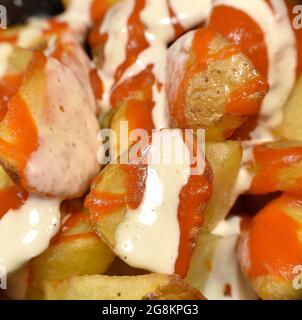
{"points": [[73, 221], [240, 101], [8, 37], [9, 86], [138, 109], [21, 138], [239, 28], [193, 200], [136, 38], [55, 26], [99, 8], [273, 240], [269, 162], [97, 84], [104, 203], [11, 198]]}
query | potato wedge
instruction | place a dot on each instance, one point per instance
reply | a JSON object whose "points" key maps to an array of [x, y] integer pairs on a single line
{"points": [[75, 251], [214, 268], [145, 287], [211, 84], [31, 118], [277, 166], [270, 250], [225, 160], [290, 127], [121, 188]]}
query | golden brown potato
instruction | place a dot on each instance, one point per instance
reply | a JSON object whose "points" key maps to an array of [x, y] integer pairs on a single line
{"points": [[225, 160], [277, 166], [211, 84], [120, 187], [270, 251], [144, 287], [291, 128], [75, 251]]}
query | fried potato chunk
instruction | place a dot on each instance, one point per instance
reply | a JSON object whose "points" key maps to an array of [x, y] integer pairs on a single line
{"points": [[225, 160], [211, 84], [121, 187], [36, 147], [144, 287], [291, 128], [270, 250], [277, 166], [75, 251]]}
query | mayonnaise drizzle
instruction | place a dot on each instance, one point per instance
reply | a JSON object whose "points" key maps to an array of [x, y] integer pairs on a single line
{"points": [[26, 232], [159, 32], [148, 238], [225, 270], [116, 27], [65, 160]]}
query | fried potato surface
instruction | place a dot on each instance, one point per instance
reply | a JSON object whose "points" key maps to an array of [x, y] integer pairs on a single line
{"points": [[144, 287], [225, 160], [211, 84], [270, 250], [75, 251], [290, 127]]}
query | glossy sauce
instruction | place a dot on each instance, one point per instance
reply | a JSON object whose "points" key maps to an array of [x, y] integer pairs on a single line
{"points": [[25, 232], [269, 163], [224, 270], [145, 227], [271, 245]]}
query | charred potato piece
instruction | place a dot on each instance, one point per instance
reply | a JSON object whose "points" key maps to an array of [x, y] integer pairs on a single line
{"points": [[144, 287], [270, 250], [277, 166], [291, 128], [211, 84]]}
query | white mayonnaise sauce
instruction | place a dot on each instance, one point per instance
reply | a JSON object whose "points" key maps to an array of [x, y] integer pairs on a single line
{"points": [[115, 25], [142, 239], [26, 232], [191, 12], [225, 269], [67, 134], [159, 32], [77, 13], [5, 51]]}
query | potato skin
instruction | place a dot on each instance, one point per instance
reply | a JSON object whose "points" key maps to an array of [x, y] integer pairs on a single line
{"points": [[144, 287], [211, 84]]}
